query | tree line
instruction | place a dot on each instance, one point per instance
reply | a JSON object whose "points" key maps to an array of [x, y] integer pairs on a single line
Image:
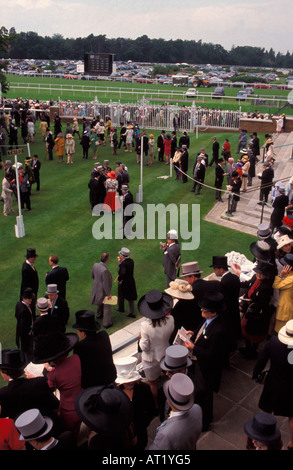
{"points": [[30, 45]]}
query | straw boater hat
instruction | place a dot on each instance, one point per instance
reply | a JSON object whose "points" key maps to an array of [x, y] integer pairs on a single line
{"points": [[126, 370], [180, 289], [263, 428], [284, 240], [32, 425], [105, 409], [176, 358], [155, 304], [189, 269], [285, 334], [179, 391]]}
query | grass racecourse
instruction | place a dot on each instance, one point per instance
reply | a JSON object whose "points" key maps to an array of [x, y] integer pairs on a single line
{"points": [[61, 223]]}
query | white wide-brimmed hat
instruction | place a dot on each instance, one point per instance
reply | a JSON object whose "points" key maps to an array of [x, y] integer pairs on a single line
{"points": [[126, 370], [285, 334]]}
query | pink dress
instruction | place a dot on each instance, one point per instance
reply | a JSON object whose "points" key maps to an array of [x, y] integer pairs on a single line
{"points": [[66, 377]]}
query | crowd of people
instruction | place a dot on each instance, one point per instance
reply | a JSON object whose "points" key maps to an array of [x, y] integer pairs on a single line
{"points": [[66, 391]]}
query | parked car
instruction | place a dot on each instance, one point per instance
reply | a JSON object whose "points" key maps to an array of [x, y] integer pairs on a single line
{"points": [[249, 90], [191, 93], [241, 95], [262, 85], [218, 92]]}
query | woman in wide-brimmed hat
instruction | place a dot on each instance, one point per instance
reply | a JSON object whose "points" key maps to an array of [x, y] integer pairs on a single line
{"points": [[107, 411], [64, 372], [155, 334], [130, 381], [112, 199], [256, 307], [276, 397]]}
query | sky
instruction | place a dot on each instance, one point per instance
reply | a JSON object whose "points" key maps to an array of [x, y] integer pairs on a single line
{"points": [[229, 23]]}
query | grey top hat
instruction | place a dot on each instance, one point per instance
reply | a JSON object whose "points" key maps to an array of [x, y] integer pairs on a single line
{"points": [[176, 358], [264, 230], [32, 425], [42, 304], [125, 252], [189, 269], [179, 391], [52, 289]]}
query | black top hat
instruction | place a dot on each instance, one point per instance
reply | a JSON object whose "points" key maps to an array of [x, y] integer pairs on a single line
{"points": [[219, 262], [52, 346], [105, 409], [264, 267], [11, 359], [31, 253], [85, 321], [155, 304], [27, 293], [261, 250], [213, 301], [263, 428]]}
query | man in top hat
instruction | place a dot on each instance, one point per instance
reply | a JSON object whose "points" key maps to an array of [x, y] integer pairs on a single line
{"points": [[25, 318], [57, 305], [37, 430], [160, 146], [22, 394], [278, 208], [94, 350], [264, 232], [215, 151], [171, 256], [183, 428], [58, 275], [36, 167], [29, 275], [198, 173], [234, 197], [127, 213], [230, 287], [266, 178], [219, 178], [208, 347], [126, 282], [102, 285], [46, 323], [177, 361]]}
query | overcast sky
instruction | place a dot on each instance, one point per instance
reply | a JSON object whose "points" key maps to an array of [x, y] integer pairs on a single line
{"points": [[257, 23]]}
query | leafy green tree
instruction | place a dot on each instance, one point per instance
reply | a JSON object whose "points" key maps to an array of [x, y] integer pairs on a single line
{"points": [[4, 43]]}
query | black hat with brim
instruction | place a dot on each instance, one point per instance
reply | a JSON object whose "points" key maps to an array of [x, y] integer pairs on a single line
{"points": [[105, 409], [155, 304], [52, 346], [85, 321]]}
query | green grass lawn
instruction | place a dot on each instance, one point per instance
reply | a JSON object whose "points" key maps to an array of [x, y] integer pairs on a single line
{"points": [[124, 92], [61, 223]]}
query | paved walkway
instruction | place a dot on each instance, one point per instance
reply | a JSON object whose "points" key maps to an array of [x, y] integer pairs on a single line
{"points": [[238, 397]]}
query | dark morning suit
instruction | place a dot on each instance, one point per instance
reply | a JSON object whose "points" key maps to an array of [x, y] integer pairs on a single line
{"points": [[160, 145], [215, 153], [64, 441], [29, 278], [61, 309], [230, 286], [219, 173], [170, 258], [23, 338], [95, 354], [22, 394], [36, 166], [127, 200], [126, 284], [210, 352], [59, 275]]}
